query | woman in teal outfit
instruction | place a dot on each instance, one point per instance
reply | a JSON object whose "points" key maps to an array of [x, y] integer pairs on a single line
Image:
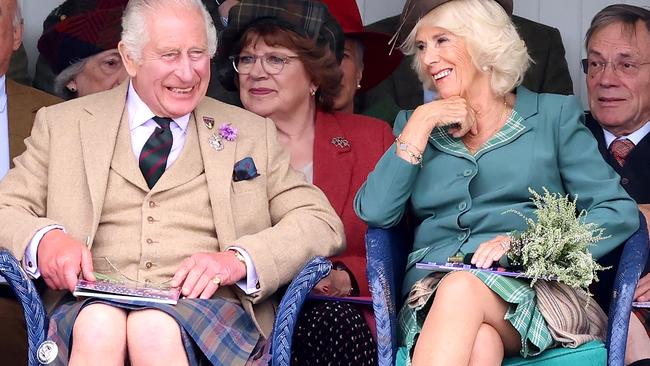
{"points": [[460, 162]]}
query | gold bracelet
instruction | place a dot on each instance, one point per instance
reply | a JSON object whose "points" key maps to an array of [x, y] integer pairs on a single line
{"points": [[416, 157]]}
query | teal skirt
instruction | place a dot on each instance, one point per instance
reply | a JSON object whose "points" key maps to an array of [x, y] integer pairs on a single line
{"points": [[522, 313]]}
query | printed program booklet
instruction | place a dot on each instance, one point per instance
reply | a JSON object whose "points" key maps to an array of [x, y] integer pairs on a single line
{"points": [[109, 289], [448, 267]]}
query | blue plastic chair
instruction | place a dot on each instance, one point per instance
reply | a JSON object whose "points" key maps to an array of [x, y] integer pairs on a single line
{"points": [[387, 250], [37, 320]]}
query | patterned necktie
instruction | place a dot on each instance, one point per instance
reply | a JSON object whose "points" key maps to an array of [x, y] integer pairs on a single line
{"points": [[153, 158], [620, 149]]}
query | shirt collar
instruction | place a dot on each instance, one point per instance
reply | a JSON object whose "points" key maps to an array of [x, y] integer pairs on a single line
{"points": [[3, 94], [139, 112], [635, 136]]}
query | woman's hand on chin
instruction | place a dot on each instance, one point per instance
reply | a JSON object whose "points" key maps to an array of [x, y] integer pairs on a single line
{"points": [[454, 112]]}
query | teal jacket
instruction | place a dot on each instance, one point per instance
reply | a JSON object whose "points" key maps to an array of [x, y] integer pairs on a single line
{"points": [[458, 200]]}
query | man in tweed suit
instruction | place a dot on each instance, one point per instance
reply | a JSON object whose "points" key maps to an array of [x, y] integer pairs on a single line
{"points": [[226, 219], [18, 105]]}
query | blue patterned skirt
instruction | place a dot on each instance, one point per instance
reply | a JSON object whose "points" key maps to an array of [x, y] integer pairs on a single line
{"points": [[214, 331]]}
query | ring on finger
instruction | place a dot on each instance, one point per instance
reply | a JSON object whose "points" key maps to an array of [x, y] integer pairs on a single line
{"points": [[216, 281]]}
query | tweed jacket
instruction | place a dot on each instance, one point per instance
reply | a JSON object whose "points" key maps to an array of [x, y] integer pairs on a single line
{"points": [[22, 103], [340, 169], [548, 73], [277, 218], [459, 200]]}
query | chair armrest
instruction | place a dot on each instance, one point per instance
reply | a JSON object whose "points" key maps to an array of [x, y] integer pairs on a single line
{"points": [[631, 265], [35, 315], [285, 321], [386, 257]]}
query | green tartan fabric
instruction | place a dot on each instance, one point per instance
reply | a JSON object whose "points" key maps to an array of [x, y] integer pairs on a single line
{"points": [[523, 314], [455, 146]]}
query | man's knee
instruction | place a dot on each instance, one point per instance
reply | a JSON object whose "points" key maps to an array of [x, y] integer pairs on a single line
{"points": [[99, 321], [152, 329]]}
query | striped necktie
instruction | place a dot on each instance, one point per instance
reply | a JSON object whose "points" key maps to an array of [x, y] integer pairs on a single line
{"points": [[153, 158], [620, 149]]}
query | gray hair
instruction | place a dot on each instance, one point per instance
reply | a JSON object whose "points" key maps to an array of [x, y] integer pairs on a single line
{"points": [[134, 25], [64, 77], [491, 38], [626, 14]]}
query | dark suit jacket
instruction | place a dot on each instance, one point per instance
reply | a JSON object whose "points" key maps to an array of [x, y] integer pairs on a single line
{"points": [[340, 171], [635, 174], [403, 90], [635, 178]]}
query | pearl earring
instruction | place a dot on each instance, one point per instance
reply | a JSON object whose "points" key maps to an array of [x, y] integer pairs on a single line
{"points": [[358, 85], [485, 68], [312, 92]]}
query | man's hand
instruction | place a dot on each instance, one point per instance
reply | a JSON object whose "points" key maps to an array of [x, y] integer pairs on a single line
{"points": [[642, 292], [61, 258], [337, 283], [203, 273]]}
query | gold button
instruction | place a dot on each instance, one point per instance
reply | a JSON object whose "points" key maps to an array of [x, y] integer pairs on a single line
{"points": [[148, 264], [149, 241], [150, 219], [152, 204]]}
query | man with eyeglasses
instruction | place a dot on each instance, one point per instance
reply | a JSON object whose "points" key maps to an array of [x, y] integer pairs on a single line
{"points": [[618, 84]]}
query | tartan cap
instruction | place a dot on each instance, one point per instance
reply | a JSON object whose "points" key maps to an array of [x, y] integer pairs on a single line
{"points": [[308, 18], [414, 10], [80, 28]]}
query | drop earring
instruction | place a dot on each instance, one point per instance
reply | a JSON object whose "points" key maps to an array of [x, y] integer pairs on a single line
{"points": [[312, 92]]}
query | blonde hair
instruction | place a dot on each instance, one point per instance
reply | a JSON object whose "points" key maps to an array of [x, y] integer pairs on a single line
{"points": [[491, 38]]}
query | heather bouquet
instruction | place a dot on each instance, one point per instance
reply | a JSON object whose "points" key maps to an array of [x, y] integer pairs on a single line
{"points": [[555, 244]]}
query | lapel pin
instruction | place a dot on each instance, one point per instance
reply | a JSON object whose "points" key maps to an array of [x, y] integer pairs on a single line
{"points": [[208, 122], [340, 142], [216, 142]]}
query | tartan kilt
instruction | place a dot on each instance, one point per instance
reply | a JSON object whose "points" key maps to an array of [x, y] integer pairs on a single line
{"points": [[644, 316], [522, 313], [214, 331]]}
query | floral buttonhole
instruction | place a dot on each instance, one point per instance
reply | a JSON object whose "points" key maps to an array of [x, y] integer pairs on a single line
{"points": [[228, 132]]}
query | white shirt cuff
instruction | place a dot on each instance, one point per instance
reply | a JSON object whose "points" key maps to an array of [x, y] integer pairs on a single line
{"points": [[30, 260], [249, 284]]}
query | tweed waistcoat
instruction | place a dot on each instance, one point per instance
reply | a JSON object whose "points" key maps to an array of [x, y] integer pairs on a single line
{"points": [[147, 233]]}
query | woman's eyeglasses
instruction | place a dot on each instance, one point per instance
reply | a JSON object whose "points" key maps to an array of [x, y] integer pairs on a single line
{"points": [[272, 63]]}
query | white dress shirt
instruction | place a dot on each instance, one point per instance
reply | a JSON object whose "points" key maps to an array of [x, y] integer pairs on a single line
{"points": [[635, 136], [142, 126], [4, 129]]}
